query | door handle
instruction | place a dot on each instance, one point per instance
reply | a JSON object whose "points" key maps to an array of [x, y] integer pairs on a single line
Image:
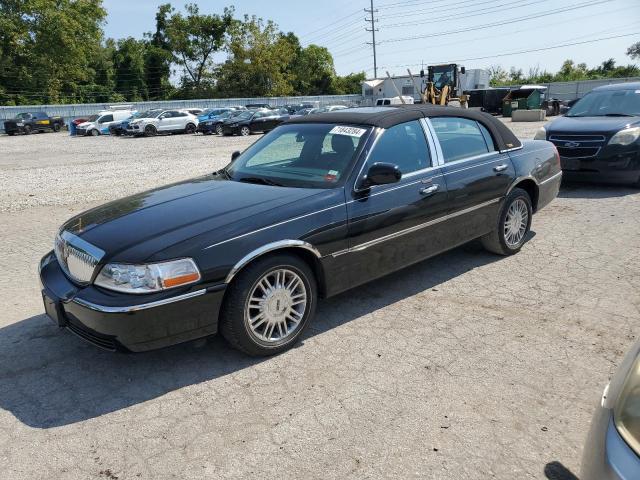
{"points": [[429, 190], [500, 168]]}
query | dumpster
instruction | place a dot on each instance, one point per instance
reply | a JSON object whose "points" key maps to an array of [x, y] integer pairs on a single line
{"points": [[523, 98]]}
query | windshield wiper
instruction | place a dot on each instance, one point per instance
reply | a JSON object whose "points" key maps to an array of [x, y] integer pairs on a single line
{"points": [[615, 115], [260, 181]]}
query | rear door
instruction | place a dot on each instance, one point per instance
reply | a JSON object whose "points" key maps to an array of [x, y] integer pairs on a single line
{"points": [[476, 173], [394, 225]]}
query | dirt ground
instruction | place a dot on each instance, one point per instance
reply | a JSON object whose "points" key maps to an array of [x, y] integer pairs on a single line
{"points": [[466, 366]]}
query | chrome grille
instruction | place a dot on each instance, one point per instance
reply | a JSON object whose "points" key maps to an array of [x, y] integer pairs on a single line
{"points": [[578, 146], [77, 258]]}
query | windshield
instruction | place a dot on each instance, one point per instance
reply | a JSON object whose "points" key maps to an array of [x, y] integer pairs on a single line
{"points": [[93, 118], [607, 103], [244, 116], [305, 156]]}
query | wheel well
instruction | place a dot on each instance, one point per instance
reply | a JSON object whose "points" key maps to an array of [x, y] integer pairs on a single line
{"points": [[306, 256], [531, 188]]}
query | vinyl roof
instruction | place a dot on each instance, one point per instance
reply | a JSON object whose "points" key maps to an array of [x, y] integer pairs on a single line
{"points": [[389, 116]]}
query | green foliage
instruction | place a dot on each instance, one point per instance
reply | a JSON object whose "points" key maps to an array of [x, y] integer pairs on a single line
{"points": [[568, 72]]}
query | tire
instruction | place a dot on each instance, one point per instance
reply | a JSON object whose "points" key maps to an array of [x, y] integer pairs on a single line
{"points": [[274, 326], [94, 132], [150, 131], [56, 127], [11, 134], [190, 129], [245, 131], [504, 240], [27, 130], [219, 129]]}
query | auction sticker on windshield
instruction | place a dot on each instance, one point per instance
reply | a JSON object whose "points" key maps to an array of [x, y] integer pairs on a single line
{"points": [[350, 131]]}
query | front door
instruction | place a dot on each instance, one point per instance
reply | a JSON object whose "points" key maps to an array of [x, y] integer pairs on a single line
{"points": [[478, 176], [391, 226]]}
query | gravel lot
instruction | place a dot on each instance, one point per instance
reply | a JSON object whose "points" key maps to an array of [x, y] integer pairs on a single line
{"points": [[465, 366]]}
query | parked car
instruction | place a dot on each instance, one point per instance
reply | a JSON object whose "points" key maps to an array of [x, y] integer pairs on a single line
{"points": [[193, 111], [320, 205], [612, 450], [303, 111], [598, 137], [330, 108], [101, 123], [254, 121], [163, 121], [294, 108], [394, 101], [210, 113], [257, 106], [119, 129], [214, 125], [30, 122]]}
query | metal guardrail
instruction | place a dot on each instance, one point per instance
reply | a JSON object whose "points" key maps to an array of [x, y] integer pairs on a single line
{"points": [[69, 112]]}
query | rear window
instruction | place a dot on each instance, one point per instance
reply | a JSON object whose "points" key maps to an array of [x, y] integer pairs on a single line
{"points": [[461, 138]]}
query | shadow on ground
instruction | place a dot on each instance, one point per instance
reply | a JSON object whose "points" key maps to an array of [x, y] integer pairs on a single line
{"points": [[595, 190], [557, 471], [51, 378]]}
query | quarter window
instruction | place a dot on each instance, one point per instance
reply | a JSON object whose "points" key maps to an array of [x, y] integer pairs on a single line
{"points": [[461, 138], [403, 145]]}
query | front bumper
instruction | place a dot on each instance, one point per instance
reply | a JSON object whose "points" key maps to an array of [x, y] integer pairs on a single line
{"points": [[613, 164], [606, 455], [136, 323], [206, 128]]}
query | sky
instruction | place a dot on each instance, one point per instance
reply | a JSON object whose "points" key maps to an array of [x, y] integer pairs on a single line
{"points": [[473, 33]]}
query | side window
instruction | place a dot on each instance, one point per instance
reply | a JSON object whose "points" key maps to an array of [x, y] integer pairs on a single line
{"points": [[106, 118], [459, 138], [404, 145], [487, 137]]}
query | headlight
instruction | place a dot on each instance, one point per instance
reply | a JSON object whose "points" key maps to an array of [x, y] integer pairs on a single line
{"points": [[626, 412], [625, 137], [148, 278], [541, 134]]}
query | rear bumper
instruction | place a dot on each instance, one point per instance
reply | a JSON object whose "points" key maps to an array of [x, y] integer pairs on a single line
{"points": [[210, 128], [134, 323], [548, 190]]}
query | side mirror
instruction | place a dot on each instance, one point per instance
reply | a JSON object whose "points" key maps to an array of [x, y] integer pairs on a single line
{"points": [[564, 109], [235, 155], [381, 174]]}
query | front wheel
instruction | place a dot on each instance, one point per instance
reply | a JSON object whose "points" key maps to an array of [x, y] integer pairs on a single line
{"points": [[269, 305], [219, 129], [514, 223], [94, 132], [190, 129], [150, 131], [56, 127], [27, 130], [245, 131]]}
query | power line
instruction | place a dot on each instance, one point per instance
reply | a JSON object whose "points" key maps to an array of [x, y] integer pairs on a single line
{"points": [[373, 31], [541, 49], [497, 24]]}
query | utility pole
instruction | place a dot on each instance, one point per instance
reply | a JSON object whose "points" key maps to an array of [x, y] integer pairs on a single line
{"points": [[373, 31]]}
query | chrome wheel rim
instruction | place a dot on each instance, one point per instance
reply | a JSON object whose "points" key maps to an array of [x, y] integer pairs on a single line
{"points": [[244, 131], [219, 129], [516, 222], [276, 306]]}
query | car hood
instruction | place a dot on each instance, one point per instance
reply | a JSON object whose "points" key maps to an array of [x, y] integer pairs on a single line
{"points": [[85, 124], [590, 124], [134, 228]]}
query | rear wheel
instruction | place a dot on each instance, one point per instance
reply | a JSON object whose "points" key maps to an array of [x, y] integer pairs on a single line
{"points": [[150, 131], [190, 129], [514, 223], [219, 129], [245, 131], [56, 127], [269, 305]]}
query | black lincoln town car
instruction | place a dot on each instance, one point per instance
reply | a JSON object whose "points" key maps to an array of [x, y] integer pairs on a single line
{"points": [[598, 139], [321, 204]]}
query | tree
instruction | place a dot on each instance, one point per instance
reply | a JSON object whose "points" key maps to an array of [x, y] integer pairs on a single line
{"points": [[158, 57], [129, 69], [634, 51], [195, 38], [258, 61], [348, 85]]}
